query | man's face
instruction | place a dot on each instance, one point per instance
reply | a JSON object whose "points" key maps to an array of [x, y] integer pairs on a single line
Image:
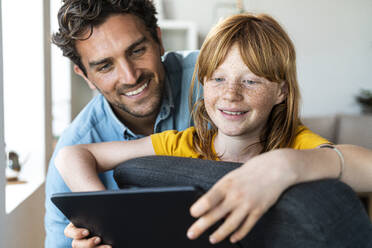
{"points": [[123, 62]]}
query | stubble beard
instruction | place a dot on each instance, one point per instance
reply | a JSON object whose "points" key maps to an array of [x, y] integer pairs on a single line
{"points": [[155, 99], [151, 109]]}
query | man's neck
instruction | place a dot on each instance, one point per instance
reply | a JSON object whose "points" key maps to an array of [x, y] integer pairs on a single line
{"points": [[138, 125]]}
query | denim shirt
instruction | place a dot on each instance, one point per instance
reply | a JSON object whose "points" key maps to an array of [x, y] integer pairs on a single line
{"points": [[98, 123]]}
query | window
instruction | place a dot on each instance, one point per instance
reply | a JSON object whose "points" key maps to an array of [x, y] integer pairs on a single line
{"points": [[26, 91]]}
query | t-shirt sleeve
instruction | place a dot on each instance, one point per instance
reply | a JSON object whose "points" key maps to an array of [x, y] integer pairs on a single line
{"points": [[306, 139], [174, 143]]}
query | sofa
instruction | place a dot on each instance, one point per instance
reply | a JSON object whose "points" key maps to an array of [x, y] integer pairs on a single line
{"points": [[345, 129]]}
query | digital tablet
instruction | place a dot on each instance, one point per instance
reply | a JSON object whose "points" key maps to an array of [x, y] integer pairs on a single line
{"points": [[136, 218]]}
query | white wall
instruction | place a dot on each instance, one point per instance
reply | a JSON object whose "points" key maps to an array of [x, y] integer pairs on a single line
{"points": [[333, 40], [2, 148], [25, 224], [81, 94]]}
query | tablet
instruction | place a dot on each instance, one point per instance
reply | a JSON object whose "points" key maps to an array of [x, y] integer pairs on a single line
{"points": [[137, 217]]}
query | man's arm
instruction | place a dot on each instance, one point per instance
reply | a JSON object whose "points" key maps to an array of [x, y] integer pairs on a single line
{"points": [[79, 165], [54, 222]]}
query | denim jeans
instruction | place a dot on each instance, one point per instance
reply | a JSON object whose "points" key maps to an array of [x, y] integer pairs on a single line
{"points": [[325, 213]]}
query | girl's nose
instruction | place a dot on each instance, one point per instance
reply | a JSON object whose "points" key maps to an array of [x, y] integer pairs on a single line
{"points": [[233, 92]]}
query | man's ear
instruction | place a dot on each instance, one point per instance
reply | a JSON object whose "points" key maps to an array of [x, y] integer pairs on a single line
{"points": [[79, 72], [158, 32], [282, 92]]}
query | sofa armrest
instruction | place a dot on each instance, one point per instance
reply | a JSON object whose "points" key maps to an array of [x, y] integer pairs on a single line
{"points": [[355, 130], [325, 126]]}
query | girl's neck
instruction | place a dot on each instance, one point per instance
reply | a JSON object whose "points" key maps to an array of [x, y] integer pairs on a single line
{"points": [[236, 148]]}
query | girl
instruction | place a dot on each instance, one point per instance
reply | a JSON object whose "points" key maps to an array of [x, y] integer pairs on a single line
{"points": [[249, 113]]}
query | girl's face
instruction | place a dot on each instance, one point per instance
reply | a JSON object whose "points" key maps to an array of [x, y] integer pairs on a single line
{"points": [[238, 101]]}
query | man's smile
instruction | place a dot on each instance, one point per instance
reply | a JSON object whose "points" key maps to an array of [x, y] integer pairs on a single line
{"points": [[137, 91]]}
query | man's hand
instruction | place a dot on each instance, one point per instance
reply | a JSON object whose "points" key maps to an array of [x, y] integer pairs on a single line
{"points": [[243, 196], [79, 238]]}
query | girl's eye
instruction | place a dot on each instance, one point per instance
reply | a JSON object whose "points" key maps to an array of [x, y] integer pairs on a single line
{"points": [[219, 79], [249, 82]]}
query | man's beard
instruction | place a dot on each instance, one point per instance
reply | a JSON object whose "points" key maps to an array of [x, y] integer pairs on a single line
{"points": [[157, 95], [154, 110]]}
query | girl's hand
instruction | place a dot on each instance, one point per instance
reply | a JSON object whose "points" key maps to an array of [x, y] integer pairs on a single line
{"points": [[79, 238], [243, 196]]}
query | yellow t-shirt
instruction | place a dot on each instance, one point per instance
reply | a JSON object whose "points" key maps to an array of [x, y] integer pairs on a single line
{"points": [[174, 143]]}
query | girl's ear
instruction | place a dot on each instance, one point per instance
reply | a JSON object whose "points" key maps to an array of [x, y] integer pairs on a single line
{"points": [[79, 72], [282, 92]]}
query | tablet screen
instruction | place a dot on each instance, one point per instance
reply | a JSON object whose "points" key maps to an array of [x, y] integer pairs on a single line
{"points": [[140, 217]]}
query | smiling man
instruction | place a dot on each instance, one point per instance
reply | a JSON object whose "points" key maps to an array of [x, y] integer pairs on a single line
{"points": [[116, 47], [123, 62]]}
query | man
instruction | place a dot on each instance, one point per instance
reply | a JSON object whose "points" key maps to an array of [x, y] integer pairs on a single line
{"points": [[116, 47], [141, 93]]}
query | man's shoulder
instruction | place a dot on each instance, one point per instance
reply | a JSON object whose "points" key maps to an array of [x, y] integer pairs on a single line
{"points": [[87, 123], [178, 60]]}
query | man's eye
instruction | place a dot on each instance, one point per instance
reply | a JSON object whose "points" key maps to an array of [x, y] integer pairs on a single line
{"points": [[104, 68], [138, 52]]}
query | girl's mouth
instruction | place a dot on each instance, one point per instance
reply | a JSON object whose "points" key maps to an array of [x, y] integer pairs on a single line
{"points": [[233, 112]]}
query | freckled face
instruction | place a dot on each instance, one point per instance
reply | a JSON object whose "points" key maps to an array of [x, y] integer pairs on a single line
{"points": [[123, 62], [238, 101]]}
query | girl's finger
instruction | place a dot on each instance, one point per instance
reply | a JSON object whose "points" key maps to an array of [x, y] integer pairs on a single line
{"points": [[247, 226], [232, 222], [207, 220], [207, 202]]}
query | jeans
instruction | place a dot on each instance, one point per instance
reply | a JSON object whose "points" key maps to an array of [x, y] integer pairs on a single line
{"points": [[325, 213]]}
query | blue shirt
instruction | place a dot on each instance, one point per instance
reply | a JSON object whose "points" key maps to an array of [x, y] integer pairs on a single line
{"points": [[98, 123]]}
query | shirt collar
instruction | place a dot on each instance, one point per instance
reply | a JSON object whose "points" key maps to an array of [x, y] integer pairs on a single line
{"points": [[166, 108], [167, 104], [168, 94], [116, 123]]}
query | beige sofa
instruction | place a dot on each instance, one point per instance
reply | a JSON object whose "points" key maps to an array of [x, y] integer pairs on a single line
{"points": [[345, 129]]}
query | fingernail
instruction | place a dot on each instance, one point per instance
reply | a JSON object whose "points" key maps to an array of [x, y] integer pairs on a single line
{"points": [[97, 240], [85, 232], [233, 240], [190, 234], [212, 240]]}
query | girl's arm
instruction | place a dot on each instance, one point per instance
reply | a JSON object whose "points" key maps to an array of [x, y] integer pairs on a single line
{"points": [[324, 163], [240, 196], [79, 165]]}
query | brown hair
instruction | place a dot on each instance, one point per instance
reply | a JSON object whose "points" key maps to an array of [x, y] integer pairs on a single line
{"points": [[75, 17], [268, 52]]}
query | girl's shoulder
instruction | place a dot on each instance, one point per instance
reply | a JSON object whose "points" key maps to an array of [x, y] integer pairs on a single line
{"points": [[175, 143], [307, 139]]}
